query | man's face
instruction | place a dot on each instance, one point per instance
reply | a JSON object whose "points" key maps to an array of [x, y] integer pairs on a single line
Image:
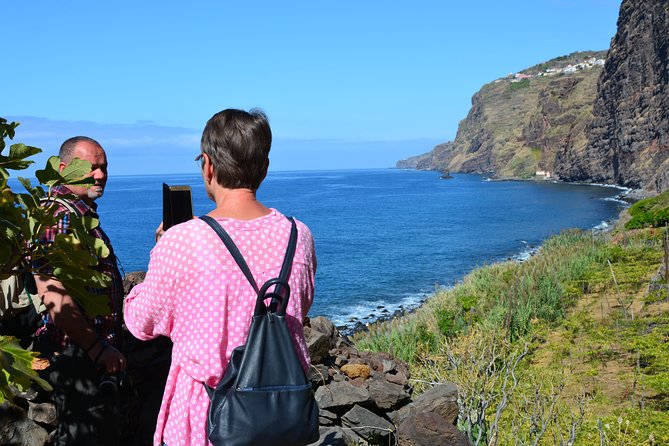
{"points": [[96, 156]]}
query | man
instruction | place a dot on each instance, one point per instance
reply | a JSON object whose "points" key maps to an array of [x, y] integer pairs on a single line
{"points": [[83, 350]]}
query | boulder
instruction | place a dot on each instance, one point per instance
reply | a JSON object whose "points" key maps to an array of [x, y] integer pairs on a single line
{"points": [[318, 345], [441, 399], [397, 378], [368, 425], [132, 279], [17, 429], [429, 429], [387, 396], [43, 413], [383, 362], [326, 418], [340, 395], [323, 325], [318, 375]]}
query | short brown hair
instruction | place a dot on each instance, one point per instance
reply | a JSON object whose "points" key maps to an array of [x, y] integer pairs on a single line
{"points": [[238, 143]]}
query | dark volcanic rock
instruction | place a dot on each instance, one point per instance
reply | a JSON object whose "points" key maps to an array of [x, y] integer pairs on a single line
{"points": [[17, 429], [371, 427], [387, 396], [628, 137], [132, 279], [340, 395], [43, 413], [441, 399], [428, 429]]}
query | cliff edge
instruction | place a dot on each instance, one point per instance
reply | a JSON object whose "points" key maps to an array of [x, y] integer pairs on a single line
{"points": [[518, 124], [589, 116], [628, 135]]}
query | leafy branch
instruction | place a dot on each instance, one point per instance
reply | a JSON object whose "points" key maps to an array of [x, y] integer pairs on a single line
{"points": [[71, 258]]}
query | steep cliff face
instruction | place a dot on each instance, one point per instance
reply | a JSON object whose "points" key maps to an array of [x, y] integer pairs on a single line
{"points": [[517, 125], [607, 125], [628, 136]]}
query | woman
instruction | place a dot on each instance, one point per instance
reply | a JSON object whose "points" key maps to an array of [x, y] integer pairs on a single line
{"points": [[195, 294]]}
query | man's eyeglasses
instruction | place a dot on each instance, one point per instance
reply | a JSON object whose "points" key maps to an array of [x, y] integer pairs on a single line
{"points": [[200, 160]]}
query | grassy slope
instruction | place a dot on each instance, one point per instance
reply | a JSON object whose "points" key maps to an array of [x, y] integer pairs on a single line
{"points": [[597, 360]]}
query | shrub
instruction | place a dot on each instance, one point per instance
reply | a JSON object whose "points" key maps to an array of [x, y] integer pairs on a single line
{"points": [[651, 212]]}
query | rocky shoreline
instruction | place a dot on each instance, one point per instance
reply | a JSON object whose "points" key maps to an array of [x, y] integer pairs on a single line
{"points": [[358, 325]]}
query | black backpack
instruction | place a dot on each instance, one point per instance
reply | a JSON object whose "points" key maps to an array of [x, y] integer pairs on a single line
{"points": [[264, 397]]}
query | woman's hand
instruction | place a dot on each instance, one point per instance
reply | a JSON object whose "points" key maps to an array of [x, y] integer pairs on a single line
{"points": [[159, 231]]}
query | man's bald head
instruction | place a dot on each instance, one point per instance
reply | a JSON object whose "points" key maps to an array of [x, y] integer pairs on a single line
{"points": [[66, 152], [86, 149]]}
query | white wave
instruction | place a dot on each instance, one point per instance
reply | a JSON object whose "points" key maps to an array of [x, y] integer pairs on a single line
{"points": [[616, 199], [604, 225], [525, 254], [625, 190], [613, 186], [369, 312]]}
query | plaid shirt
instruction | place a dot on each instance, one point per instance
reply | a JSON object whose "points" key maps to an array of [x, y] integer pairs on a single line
{"points": [[107, 327]]}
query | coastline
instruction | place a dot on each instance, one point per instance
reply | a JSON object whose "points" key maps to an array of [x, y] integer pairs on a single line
{"points": [[626, 197]]}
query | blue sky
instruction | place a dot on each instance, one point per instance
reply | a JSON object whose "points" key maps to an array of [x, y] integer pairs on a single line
{"points": [[345, 84]]}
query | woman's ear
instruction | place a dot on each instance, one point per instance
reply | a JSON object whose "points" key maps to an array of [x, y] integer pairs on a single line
{"points": [[208, 168]]}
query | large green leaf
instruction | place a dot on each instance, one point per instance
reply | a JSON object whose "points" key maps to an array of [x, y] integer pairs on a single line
{"points": [[6, 130], [89, 223], [22, 151], [27, 200], [17, 157], [36, 191], [16, 368], [50, 175], [92, 304], [73, 174], [73, 251]]}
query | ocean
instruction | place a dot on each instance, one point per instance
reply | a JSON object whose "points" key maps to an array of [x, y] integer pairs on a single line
{"points": [[385, 238]]}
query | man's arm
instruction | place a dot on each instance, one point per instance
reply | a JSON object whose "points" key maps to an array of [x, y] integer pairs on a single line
{"points": [[66, 315]]}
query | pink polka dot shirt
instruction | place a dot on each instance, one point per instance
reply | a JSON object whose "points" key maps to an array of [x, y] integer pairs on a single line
{"points": [[195, 294]]}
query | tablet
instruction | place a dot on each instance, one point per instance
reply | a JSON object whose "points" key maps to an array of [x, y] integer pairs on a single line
{"points": [[177, 205]]}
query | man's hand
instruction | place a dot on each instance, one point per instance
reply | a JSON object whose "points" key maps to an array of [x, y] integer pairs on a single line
{"points": [[66, 316], [108, 358]]}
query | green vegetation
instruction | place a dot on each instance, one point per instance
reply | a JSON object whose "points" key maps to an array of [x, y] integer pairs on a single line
{"points": [[23, 219], [523, 83], [569, 347], [652, 212]]}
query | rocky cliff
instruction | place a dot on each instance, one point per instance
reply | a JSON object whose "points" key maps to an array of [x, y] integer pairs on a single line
{"points": [[579, 122], [628, 135], [518, 124]]}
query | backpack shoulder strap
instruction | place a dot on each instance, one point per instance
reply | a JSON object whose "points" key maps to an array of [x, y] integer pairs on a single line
{"points": [[234, 251], [288, 259], [239, 259], [63, 202]]}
